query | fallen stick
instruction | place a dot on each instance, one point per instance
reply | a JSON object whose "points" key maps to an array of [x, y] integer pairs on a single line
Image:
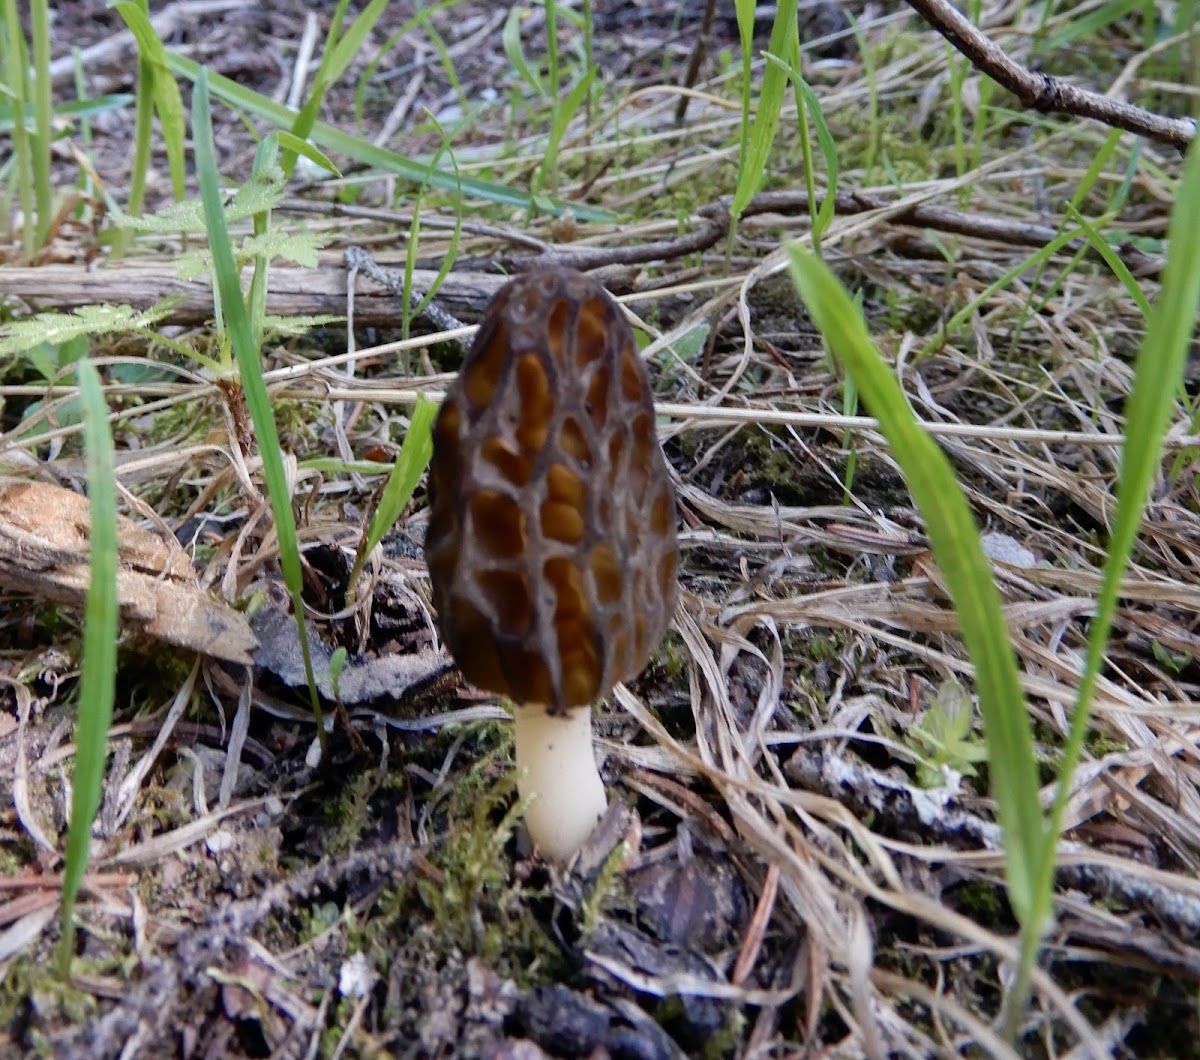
{"points": [[291, 292]]}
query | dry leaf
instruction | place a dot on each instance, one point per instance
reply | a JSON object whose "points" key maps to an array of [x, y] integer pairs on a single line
{"points": [[45, 534]]}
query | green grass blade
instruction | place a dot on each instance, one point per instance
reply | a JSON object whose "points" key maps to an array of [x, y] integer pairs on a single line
{"points": [[265, 158], [511, 39], [15, 64], [42, 88], [548, 171], [163, 89], [1119, 269], [1090, 176], [338, 54], [954, 538], [402, 482], [828, 152], [447, 61], [290, 142], [810, 106], [83, 107], [1156, 379], [1091, 23], [744, 10], [250, 368], [368, 71], [333, 139], [867, 55], [451, 254], [410, 263], [98, 672], [407, 314], [969, 310], [142, 130], [752, 165]]}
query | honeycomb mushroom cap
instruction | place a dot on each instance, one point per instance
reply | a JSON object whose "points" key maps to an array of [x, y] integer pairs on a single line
{"points": [[551, 543]]}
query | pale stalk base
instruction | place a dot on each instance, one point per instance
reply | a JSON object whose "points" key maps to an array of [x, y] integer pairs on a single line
{"points": [[557, 774]]}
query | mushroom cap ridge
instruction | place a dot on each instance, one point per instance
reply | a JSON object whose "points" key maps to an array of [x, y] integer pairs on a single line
{"points": [[551, 543]]}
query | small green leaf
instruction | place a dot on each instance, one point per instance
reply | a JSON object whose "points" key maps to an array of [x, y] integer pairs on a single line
{"points": [[752, 165], [302, 147], [513, 49], [691, 342]]}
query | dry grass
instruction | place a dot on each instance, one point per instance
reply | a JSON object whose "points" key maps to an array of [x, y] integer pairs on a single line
{"points": [[770, 752]]}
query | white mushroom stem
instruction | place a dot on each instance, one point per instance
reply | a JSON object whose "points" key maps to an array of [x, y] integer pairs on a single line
{"points": [[557, 776]]}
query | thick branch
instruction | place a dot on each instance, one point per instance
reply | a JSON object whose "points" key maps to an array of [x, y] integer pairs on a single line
{"points": [[291, 292]]}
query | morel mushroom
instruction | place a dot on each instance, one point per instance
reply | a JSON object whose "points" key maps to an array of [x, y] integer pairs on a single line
{"points": [[551, 543]]}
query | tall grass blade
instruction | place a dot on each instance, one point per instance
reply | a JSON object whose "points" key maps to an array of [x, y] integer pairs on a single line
{"points": [[1156, 379], [368, 73], [333, 139], [402, 482], [511, 39], [250, 368], [98, 672], [744, 10], [83, 107], [42, 89], [338, 54], [563, 113], [1119, 269], [16, 66], [808, 105], [752, 165], [163, 92], [954, 538]]}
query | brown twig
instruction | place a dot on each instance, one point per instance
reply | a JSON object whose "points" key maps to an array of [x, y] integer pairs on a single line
{"points": [[712, 230], [940, 219], [715, 225], [1043, 92], [358, 260]]}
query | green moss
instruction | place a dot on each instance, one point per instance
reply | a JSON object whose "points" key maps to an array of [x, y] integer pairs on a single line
{"points": [[1100, 743], [467, 900], [300, 423], [33, 981], [822, 646], [983, 902], [476, 906], [188, 421], [672, 656], [723, 1042], [350, 815]]}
